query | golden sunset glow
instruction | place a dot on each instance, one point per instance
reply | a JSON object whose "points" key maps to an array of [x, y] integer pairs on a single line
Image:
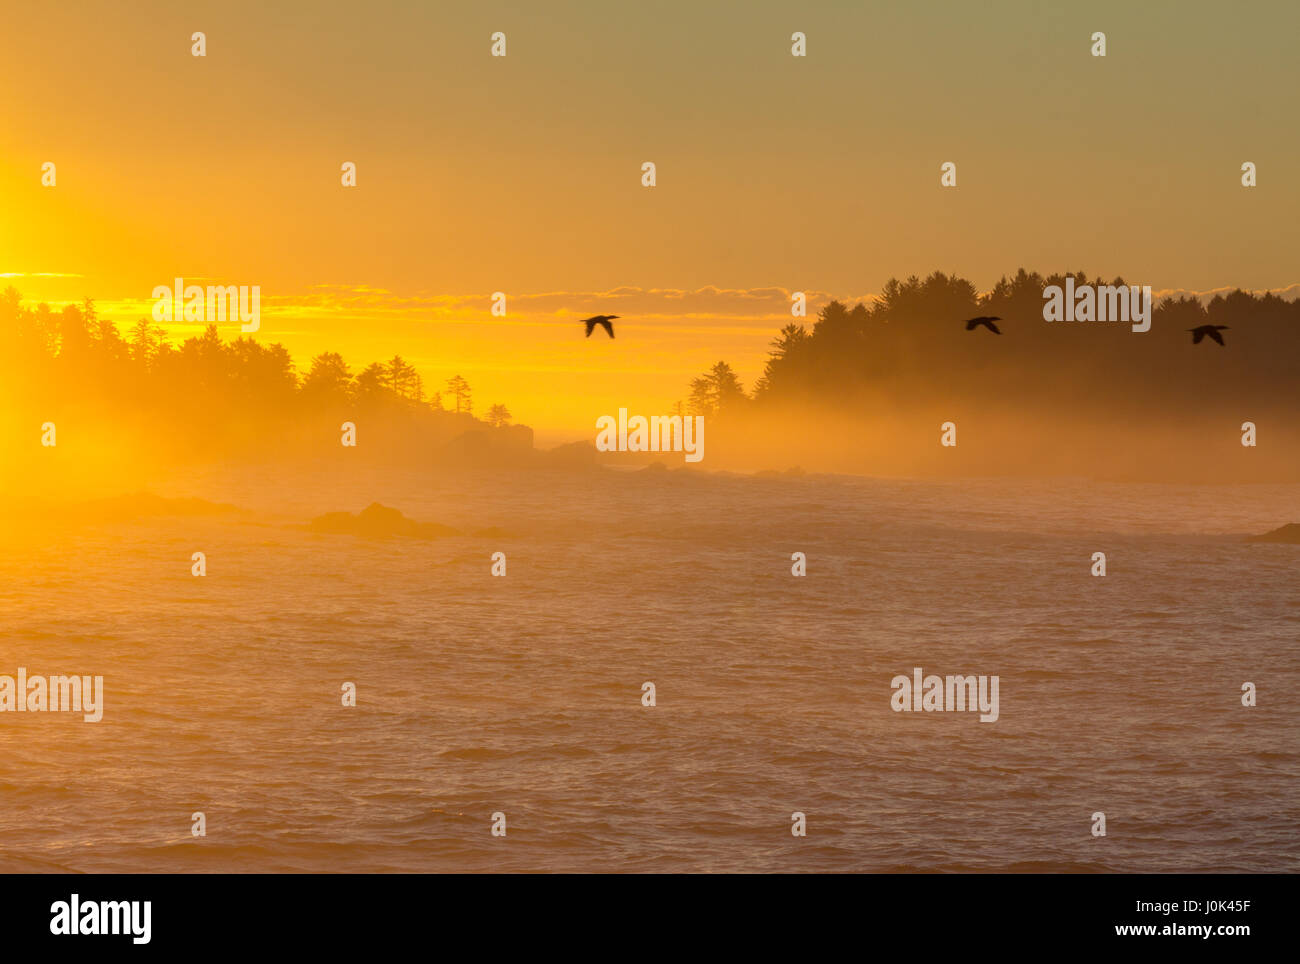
{"points": [[522, 174], [702, 436]]}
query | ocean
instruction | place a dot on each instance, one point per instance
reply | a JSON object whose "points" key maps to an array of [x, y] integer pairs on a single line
{"points": [[522, 694]]}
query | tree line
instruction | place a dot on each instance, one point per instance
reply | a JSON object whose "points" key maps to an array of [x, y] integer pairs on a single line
{"points": [[910, 342], [73, 354]]}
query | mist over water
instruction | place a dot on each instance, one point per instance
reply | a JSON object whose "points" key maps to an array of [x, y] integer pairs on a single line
{"points": [[374, 469], [522, 694]]}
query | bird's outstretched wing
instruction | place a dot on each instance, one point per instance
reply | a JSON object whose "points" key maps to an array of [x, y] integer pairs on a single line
{"points": [[602, 320], [1215, 335]]}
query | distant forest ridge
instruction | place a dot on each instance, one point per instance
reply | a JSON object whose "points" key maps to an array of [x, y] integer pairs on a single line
{"points": [[895, 363], [910, 342], [74, 355]]}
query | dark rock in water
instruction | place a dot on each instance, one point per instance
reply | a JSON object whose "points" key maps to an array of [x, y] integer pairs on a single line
{"points": [[1289, 533], [378, 521], [506, 445], [574, 455]]}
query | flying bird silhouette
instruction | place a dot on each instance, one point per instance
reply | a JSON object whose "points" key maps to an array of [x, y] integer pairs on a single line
{"points": [[986, 321], [1211, 330], [603, 321]]}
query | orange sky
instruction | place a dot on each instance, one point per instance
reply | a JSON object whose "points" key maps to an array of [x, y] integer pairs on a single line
{"points": [[522, 174]]}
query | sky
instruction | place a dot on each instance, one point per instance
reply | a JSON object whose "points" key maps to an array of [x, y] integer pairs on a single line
{"points": [[522, 174]]}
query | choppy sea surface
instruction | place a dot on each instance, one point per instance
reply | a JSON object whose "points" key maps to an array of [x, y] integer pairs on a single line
{"points": [[522, 694]]}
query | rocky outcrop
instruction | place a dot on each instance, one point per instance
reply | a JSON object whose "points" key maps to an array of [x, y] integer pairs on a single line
{"points": [[1289, 533], [377, 521]]}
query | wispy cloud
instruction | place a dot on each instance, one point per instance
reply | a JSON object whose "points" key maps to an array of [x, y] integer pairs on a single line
{"points": [[710, 308], [766, 303], [1290, 292], [39, 274]]}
